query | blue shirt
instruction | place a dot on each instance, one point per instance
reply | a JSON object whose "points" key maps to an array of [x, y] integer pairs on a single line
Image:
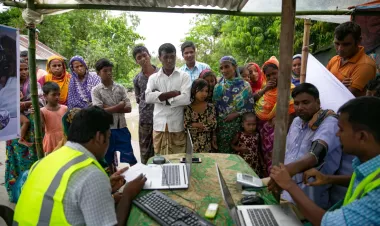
{"points": [[195, 71], [363, 211], [298, 144]]}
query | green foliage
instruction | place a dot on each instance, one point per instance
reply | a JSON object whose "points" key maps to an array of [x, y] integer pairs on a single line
{"points": [[249, 38], [93, 34]]}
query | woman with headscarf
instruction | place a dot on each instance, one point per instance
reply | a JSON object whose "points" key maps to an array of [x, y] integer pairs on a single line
{"points": [[257, 78], [56, 69], [265, 109], [81, 83], [20, 157], [232, 97], [296, 69]]}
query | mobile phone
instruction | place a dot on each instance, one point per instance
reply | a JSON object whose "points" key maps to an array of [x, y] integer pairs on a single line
{"points": [[194, 160], [211, 211]]}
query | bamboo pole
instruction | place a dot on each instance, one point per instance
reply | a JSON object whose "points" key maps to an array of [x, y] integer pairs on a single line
{"points": [[174, 10], [33, 84], [283, 83], [305, 49]]}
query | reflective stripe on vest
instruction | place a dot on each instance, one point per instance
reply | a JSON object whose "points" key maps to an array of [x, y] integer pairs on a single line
{"points": [[41, 200], [369, 183], [47, 203]]}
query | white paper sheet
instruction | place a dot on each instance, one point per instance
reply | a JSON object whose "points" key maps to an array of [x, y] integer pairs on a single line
{"points": [[333, 94]]}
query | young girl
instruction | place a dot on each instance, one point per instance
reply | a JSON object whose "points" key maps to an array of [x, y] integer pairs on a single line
{"points": [[200, 117], [244, 73], [51, 117], [246, 144], [210, 77]]}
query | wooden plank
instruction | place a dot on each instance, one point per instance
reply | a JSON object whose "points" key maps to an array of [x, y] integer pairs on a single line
{"points": [[284, 78], [305, 49]]}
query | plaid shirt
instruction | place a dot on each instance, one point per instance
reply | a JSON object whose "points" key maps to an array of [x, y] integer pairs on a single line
{"points": [[88, 199], [111, 96], [364, 211]]}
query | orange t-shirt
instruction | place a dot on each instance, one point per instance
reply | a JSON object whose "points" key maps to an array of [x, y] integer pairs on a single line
{"points": [[360, 68]]}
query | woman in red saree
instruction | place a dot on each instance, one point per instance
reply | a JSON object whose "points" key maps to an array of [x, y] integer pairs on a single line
{"points": [[265, 109]]}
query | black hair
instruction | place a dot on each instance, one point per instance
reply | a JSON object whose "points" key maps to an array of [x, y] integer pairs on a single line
{"points": [[373, 84], [24, 53], [83, 128], [377, 92], [208, 74], [363, 114], [187, 44], [306, 88], [242, 69], [268, 66], [167, 48], [22, 61], [347, 28], [248, 115], [50, 87], [100, 64], [139, 49], [197, 86]]}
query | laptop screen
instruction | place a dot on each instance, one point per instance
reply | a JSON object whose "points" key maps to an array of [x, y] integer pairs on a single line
{"points": [[228, 200], [189, 154]]}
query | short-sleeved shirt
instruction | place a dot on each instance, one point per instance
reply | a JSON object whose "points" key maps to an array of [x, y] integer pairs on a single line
{"points": [[298, 144], [360, 68], [145, 109], [364, 211], [88, 199], [196, 70], [111, 96]]}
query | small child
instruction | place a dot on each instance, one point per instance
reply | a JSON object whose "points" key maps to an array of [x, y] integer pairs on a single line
{"points": [[210, 77], [200, 117], [51, 117], [25, 123], [246, 144], [244, 73]]}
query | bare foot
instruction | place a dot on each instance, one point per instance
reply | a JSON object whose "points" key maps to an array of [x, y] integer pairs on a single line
{"points": [[24, 142]]}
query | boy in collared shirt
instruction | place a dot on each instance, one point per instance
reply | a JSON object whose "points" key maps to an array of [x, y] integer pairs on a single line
{"points": [[112, 97], [169, 91]]}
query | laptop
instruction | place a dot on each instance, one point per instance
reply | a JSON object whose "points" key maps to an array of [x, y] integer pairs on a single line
{"points": [[260, 215], [170, 175]]}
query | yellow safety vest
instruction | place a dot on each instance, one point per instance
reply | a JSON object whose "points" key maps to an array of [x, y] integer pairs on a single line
{"points": [[41, 199], [369, 183]]}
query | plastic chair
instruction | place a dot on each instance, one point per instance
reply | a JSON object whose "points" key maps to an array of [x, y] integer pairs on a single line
{"points": [[7, 214]]}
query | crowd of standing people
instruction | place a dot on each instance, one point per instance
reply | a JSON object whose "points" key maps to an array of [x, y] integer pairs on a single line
{"points": [[233, 114]]}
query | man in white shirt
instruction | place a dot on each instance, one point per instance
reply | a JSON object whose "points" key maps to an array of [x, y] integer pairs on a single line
{"points": [[169, 91], [192, 67]]}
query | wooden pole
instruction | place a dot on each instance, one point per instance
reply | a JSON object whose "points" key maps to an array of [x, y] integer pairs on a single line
{"points": [[283, 83], [33, 84], [305, 49]]}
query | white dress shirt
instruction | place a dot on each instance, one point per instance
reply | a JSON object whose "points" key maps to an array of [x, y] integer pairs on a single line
{"points": [[172, 114]]}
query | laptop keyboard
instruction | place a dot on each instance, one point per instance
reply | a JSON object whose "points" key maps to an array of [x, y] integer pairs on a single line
{"points": [[262, 217], [171, 175]]}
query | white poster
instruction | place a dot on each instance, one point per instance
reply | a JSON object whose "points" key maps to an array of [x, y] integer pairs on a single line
{"points": [[9, 83], [333, 94]]}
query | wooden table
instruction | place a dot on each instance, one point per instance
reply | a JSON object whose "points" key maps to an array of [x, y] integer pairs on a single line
{"points": [[204, 187]]}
